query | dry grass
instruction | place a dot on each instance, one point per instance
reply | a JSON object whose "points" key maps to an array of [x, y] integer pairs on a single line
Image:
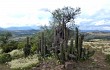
{"points": [[23, 63], [101, 45]]}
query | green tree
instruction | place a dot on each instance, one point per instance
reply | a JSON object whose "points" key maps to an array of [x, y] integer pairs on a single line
{"points": [[4, 38], [58, 16], [5, 43], [64, 15]]}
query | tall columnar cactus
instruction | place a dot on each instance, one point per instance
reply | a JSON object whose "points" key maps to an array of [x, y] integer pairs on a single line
{"points": [[62, 53], [81, 37], [45, 47], [42, 42], [42, 49], [28, 41], [76, 42], [71, 46], [62, 50], [27, 47]]}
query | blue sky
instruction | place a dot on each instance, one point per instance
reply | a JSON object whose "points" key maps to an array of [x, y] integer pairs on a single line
{"points": [[95, 14]]}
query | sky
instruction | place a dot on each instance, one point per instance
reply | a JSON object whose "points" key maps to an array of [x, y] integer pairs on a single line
{"points": [[16, 13]]}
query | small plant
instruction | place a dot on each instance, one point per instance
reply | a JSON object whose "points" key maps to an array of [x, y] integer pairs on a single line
{"points": [[108, 58], [21, 45], [5, 57], [34, 48], [16, 53], [8, 47]]}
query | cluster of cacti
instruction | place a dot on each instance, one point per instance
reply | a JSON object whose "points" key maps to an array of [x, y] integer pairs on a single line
{"points": [[42, 48], [60, 47], [27, 48], [74, 51], [60, 43], [81, 52]]}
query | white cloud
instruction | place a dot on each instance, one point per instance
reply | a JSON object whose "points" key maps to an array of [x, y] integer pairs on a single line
{"points": [[106, 28], [27, 12], [101, 22], [79, 20]]}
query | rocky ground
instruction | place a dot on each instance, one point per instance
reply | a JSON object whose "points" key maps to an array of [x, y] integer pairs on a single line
{"points": [[97, 62]]}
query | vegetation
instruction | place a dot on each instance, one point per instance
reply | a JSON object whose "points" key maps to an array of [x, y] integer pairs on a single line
{"points": [[27, 48], [59, 43], [16, 53], [5, 58], [61, 36], [24, 63]]}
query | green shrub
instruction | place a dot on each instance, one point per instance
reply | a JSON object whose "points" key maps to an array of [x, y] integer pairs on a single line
{"points": [[27, 50], [16, 53], [1, 51], [21, 45], [33, 48], [5, 58], [108, 58], [9, 46]]}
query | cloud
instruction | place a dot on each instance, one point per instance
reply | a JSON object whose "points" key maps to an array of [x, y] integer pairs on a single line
{"points": [[106, 28], [101, 22], [78, 21], [35, 12]]}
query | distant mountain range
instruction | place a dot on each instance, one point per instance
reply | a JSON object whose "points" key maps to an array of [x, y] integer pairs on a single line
{"points": [[21, 28], [95, 30], [38, 28]]}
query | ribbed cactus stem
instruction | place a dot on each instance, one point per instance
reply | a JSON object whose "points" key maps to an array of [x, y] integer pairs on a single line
{"points": [[71, 47], [27, 40], [42, 42], [76, 42], [62, 57], [44, 46], [81, 37]]}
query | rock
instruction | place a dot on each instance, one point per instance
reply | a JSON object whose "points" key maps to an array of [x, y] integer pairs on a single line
{"points": [[59, 67], [69, 66]]}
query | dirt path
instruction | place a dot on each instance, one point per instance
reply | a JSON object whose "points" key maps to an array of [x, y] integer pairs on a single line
{"points": [[99, 58]]}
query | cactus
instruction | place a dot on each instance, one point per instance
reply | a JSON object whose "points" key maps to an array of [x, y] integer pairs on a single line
{"points": [[60, 47], [42, 48], [81, 37], [76, 42], [27, 48], [71, 46], [42, 42], [62, 52]]}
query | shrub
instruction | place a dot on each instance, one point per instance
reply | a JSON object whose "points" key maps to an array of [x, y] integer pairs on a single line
{"points": [[106, 51], [16, 53], [26, 50], [24, 63], [21, 45], [5, 58], [33, 48], [1, 51], [108, 58], [9, 46]]}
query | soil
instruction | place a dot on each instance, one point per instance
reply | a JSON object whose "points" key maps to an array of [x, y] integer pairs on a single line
{"points": [[4, 67], [96, 62]]}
